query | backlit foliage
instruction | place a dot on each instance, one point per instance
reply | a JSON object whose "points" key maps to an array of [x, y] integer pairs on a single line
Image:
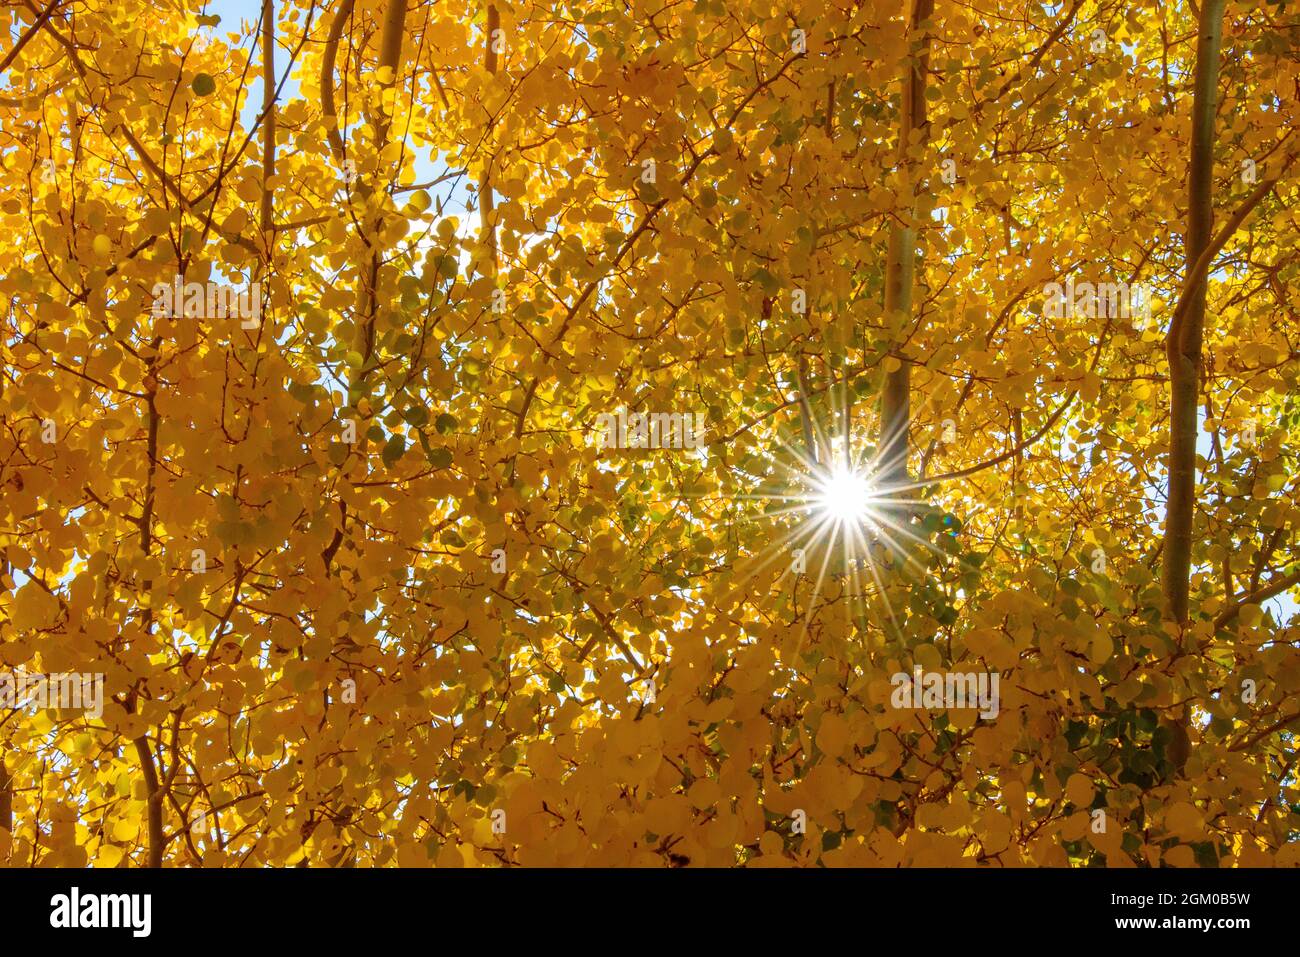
{"points": [[356, 674]]}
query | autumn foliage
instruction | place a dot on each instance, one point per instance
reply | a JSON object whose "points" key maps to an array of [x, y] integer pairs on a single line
{"points": [[364, 590]]}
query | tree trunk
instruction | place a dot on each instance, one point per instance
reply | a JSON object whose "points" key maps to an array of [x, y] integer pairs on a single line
{"points": [[390, 65], [487, 202], [6, 797], [1184, 352], [268, 121], [6, 779], [1185, 334], [153, 813], [895, 403]]}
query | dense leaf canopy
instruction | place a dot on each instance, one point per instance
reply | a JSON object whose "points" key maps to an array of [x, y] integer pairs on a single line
{"points": [[364, 583]]}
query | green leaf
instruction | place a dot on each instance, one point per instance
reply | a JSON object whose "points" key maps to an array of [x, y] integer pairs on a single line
{"points": [[203, 85], [1221, 726], [394, 450]]}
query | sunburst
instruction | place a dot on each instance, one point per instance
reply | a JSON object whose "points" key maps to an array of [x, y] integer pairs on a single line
{"points": [[841, 509], [846, 496], [849, 512]]}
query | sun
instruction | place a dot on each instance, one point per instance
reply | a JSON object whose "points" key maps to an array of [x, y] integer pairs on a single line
{"points": [[843, 515], [844, 495]]}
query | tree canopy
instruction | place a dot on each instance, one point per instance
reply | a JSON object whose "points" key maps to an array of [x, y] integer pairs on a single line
{"points": [[527, 433]]}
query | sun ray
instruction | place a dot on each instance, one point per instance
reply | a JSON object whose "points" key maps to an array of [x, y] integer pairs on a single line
{"points": [[846, 508]]}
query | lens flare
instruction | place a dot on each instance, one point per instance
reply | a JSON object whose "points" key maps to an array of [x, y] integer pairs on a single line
{"points": [[844, 496]]}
